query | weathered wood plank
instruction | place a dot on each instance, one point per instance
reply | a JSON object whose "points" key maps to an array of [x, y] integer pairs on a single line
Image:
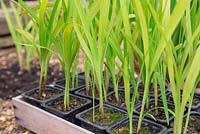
{"points": [[4, 30], [3, 25], [6, 41], [42, 122]]}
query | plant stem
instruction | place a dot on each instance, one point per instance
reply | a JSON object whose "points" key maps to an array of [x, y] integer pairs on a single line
{"points": [[107, 79], [178, 122], [28, 60], [93, 102], [67, 88], [101, 107], [20, 57], [155, 94], [130, 123], [106, 85], [115, 84], [74, 79], [146, 88], [42, 90], [43, 76], [87, 75]]}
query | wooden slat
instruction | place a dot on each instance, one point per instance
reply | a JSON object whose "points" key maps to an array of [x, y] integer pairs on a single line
{"points": [[3, 25], [4, 30], [42, 122], [6, 42]]}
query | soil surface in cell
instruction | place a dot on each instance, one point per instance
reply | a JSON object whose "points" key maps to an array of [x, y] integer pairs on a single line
{"points": [[75, 84], [145, 129], [195, 102], [121, 82], [90, 93], [110, 116], [194, 125], [74, 103], [151, 90], [121, 102], [157, 111], [49, 94]]}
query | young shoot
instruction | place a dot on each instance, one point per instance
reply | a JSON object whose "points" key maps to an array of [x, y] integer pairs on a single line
{"points": [[183, 69], [93, 33], [44, 18]]}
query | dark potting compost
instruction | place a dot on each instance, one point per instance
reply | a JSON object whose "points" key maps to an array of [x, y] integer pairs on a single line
{"points": [[157, 112], [79, 82], [89, 95], [121, 103], [76, 105], [98, 124], [195, 102], [32, 96], [148, 127], [193, 124]]}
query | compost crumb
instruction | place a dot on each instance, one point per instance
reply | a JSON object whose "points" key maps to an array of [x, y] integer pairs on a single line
{"points": [[111, 116]]}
